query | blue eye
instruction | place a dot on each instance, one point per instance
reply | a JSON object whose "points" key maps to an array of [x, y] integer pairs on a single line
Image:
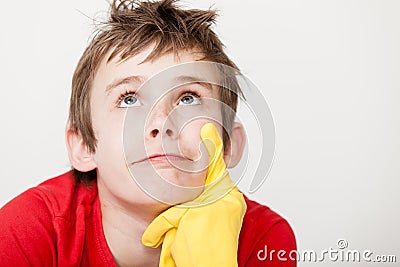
{"points": [[129, 100], [189, 99]]}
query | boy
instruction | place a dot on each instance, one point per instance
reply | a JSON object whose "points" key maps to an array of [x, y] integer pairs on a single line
{"points": [[97, 215]]}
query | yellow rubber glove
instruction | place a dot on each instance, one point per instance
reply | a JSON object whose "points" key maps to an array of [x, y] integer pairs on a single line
{"points": [[202, 235]]}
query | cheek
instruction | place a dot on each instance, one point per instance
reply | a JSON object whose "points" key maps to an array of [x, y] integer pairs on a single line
{"points": [[190, 140], [108, 132]]}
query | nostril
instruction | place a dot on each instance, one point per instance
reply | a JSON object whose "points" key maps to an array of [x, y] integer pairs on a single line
{"points": [[169, 132], [154, 132]]}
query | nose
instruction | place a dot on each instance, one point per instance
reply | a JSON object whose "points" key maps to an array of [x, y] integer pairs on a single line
{"points": [[155, 132], [160, 125]]}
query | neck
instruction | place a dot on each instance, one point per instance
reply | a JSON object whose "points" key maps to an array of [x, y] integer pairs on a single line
{"points": [[124, 224]]}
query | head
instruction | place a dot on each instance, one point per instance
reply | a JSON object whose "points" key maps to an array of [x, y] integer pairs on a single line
{"points": [[141, 38]]}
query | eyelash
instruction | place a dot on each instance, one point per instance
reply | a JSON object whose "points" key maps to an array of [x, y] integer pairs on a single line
{"points": [[189, 92], [123, 95], [186, 92]]}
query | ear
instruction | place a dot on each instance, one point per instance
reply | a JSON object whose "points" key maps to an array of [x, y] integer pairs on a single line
{"points": [[79, 155], [233, 152]]}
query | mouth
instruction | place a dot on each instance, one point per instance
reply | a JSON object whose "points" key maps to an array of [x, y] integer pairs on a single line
{"points": [[161, 158]]}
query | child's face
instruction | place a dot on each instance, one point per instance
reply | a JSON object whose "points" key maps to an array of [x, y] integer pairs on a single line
{"points": [[147, 136]]}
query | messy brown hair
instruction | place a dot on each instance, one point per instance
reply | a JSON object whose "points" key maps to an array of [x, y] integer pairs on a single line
{"points": [[132, 27]]}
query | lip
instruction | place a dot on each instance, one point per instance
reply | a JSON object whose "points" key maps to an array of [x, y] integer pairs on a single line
{"points": [[161, 158]]}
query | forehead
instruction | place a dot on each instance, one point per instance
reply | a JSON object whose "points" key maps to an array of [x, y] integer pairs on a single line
{"points": [[168, 69]]}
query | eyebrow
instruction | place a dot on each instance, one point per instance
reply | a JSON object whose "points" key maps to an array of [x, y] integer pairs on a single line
{"points": [[192, 79], [134, 79]]}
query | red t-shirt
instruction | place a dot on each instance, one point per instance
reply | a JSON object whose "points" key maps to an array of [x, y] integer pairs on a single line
{"points": [[59, 224]]}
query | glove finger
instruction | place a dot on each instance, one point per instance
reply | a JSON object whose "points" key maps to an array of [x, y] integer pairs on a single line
{"points": [[211, 139]]}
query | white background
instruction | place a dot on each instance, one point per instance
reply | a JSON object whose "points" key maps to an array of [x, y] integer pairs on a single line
{"points": [[329, 70]]}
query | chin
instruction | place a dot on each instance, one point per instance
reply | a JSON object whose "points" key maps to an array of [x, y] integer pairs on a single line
{"points": [[182, 179]]}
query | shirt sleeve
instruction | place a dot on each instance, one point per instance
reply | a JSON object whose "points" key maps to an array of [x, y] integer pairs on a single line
{"points": [[26, 232], [276, 248]]}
